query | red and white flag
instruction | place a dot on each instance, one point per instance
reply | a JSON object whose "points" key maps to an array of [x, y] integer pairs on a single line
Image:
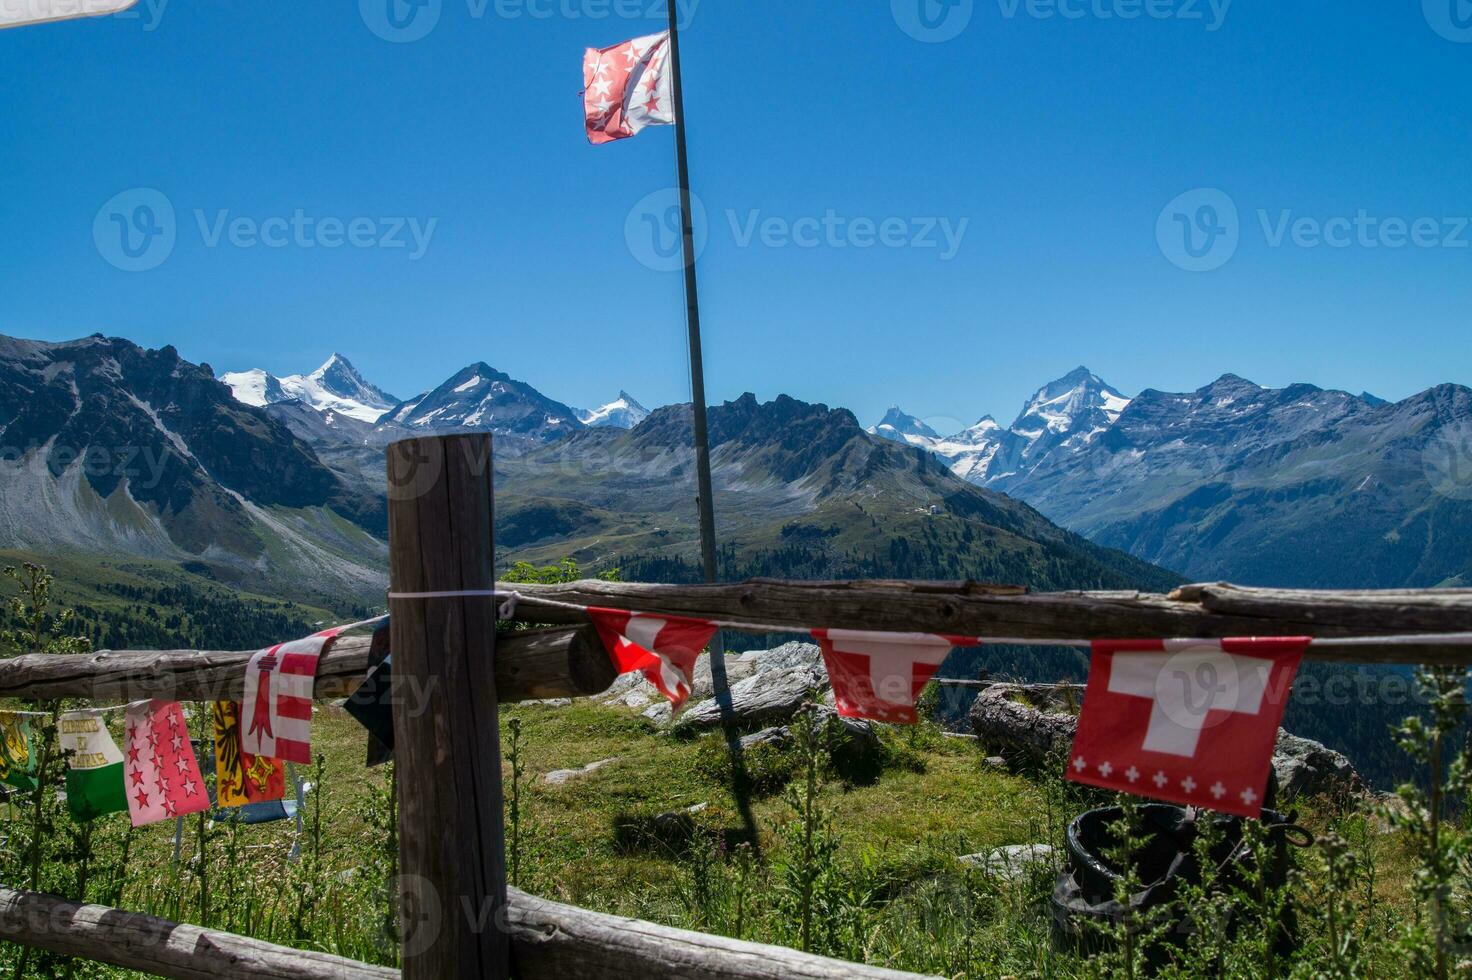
{"points": [[160, 772], [1188, 721], [663, 648], [276, 711], [880, 675], [627, 87]]}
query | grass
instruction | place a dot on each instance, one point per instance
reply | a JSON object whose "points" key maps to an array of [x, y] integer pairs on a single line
{"points": [[892, 894]]}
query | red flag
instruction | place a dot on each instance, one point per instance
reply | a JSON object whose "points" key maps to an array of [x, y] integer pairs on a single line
{"points": [[1188, 721], [627, 87], [160, 772], [880, 675], [663, 648], [276, 712]]}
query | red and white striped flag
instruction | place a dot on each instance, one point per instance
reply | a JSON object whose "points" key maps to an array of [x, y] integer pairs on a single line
{"points": [[276, 711], [880, 675], [663, 648], [1187, 721], [627, 87]]}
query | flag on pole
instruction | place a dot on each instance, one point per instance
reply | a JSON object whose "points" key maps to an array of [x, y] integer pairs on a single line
{"points": [[1192, 722], [663, 648], [18, 748], [241, 778], [94, 777], [880, 675], [163, 778], [276, 712], [627, 87]]}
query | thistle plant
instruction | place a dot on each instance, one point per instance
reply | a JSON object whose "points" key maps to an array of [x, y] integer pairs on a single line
{"points": [[1440, 846]]}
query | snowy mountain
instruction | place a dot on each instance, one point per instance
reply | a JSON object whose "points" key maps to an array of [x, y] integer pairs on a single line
{"points": [[480, 397], [896, 426], [1068, 413], [621, 413], [336, 388]]}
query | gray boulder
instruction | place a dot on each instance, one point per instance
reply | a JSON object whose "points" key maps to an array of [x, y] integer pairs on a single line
{"points": [[559, 777], [1011, 862], [769, 696], [1308, 768], [633, 691]]}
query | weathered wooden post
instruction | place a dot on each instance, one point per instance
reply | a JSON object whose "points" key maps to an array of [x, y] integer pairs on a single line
{"points": [[452, 858]]}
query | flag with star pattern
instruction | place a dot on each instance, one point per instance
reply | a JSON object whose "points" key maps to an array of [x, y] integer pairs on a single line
{"points": [[161, 774], [1191, 722], [627, 87]]}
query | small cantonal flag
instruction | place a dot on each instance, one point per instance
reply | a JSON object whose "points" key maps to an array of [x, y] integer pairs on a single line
{"points": [[94, 777], [663, 648], [1188, 721], [162, 774], [880, 675], [627, 87], [276, 712], [241, 778]]}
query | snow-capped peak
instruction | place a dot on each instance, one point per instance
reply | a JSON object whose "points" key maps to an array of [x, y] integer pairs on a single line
{"points": [[336, 387], [253, 387], [1078, 400], [621, 413], [896, 425]]}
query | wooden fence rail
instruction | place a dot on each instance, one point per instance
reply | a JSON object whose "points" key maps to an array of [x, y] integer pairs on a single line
{"points": [[549, 941], [970, 609], [551, 663]]}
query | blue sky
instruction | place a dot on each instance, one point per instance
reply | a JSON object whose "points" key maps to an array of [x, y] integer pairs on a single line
{"points": [[1059, 134]]}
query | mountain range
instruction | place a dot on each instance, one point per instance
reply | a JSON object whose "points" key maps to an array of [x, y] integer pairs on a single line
{"points": [[118, 450], [1296, 486], [125, 455]]}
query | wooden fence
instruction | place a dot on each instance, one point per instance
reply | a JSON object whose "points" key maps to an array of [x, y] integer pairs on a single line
{"points": [[446, 648]]}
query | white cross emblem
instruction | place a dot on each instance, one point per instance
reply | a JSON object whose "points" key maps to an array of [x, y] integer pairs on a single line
{"points": [[1105, 769], [1218, 790], [1160, 780], [1132, 774], [1188, 784], [1080, 764], [1248, 796], [1184, 688]]}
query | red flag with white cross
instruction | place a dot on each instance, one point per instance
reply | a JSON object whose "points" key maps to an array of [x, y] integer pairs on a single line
{"points": [[1187, 721], [627, 87], [160, 773], [663, 648], [880, 675]]}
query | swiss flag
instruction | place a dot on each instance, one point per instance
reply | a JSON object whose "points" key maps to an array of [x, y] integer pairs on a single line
{"points": [[663, 648], [1188, 721], [627, 87], [880, 675]]}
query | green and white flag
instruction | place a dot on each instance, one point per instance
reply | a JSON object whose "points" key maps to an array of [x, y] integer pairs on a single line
{"points": [[18, 748], [94, 779]]}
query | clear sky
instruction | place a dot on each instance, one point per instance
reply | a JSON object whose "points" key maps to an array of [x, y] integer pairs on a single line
{"points": [[1060, 132]]}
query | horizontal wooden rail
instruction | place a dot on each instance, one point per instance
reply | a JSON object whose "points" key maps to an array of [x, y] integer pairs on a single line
{"points": [[969, 609], [548, 663], [552, 941], [143, 942], [549, 941]]}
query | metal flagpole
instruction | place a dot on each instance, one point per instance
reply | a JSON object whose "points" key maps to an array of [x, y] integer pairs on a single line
{"points": [[720, 685], [692, 316]]}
